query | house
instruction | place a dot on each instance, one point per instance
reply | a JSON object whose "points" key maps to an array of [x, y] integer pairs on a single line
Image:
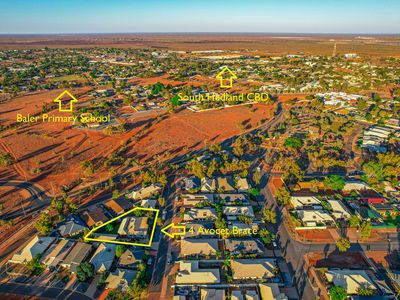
{"points": [[131, 259], [242, 184], [208, 185], [76, 256], [234, 199], [301, 202], [37, 246], [212, 294], [243, 226], [271, 291], [371, 196], [120, 279], [199, 247], [244, 246], [194, 199], [367, 213], [56, 253], [252, 295], [226, 184], [190, 273], [103, 258], [234, 212], [355, 185], [312, 218], [192, 230], [200, 214], [118, 206], [339, 210], [95, 217], [253, 268], [146, 192], [148, 203], [237, 295], [350, 280], [384, 209], [134, 227], [71, 226], [191, 183]]}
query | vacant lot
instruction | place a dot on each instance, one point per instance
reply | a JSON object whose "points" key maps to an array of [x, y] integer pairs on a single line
{"points": [[187, 131], [12, 198], [51, 154], [48, 153], [336, 260]]}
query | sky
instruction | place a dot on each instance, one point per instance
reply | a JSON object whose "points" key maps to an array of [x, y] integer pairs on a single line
{"points": [[132, 16]]}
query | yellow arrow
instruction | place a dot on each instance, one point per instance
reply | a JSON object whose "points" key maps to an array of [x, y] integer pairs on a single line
{"points": [[173, 226], [221, 76]]}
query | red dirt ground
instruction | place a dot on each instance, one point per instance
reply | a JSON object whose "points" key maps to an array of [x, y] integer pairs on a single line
{"points": [[189, 129], [384, 260], [57, 149], [12, 197], [336, 260], [316, 235]]}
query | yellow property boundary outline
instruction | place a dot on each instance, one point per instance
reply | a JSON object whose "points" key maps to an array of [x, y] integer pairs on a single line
{"points": [[87, 238]]}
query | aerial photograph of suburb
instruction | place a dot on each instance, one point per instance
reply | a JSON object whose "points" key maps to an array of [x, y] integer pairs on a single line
{"points": [[200, 150]]}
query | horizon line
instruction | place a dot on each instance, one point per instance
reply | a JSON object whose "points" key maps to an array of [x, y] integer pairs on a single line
{"points": [[203, 32]]}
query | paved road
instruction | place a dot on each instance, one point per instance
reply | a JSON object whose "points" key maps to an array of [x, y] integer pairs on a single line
{"points": [[159, 270], [38, 201], [41, 291], [294, 251]]}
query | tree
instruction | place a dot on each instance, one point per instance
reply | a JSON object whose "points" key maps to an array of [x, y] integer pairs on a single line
{"points": [[44, 224], [343, 244], [175, 101], [216, 148], [6, 160], [354, 221], [212, 168], [119, 250], [115, 194], [283, 196], [196, 168], [266, 236], [118, 295], [366, 292], [109, 227], [362, 104], [161, 201], [35, 266], [84, 271], [293, 142], [6, 223], [365, 230], [337, 293], [87, 167], [257, 177], [269, 215], [58, 204], [314, 185], [334, 182]]}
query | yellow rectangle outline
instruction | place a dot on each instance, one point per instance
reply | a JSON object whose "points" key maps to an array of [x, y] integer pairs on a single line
{"points": [[86, 238]]}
